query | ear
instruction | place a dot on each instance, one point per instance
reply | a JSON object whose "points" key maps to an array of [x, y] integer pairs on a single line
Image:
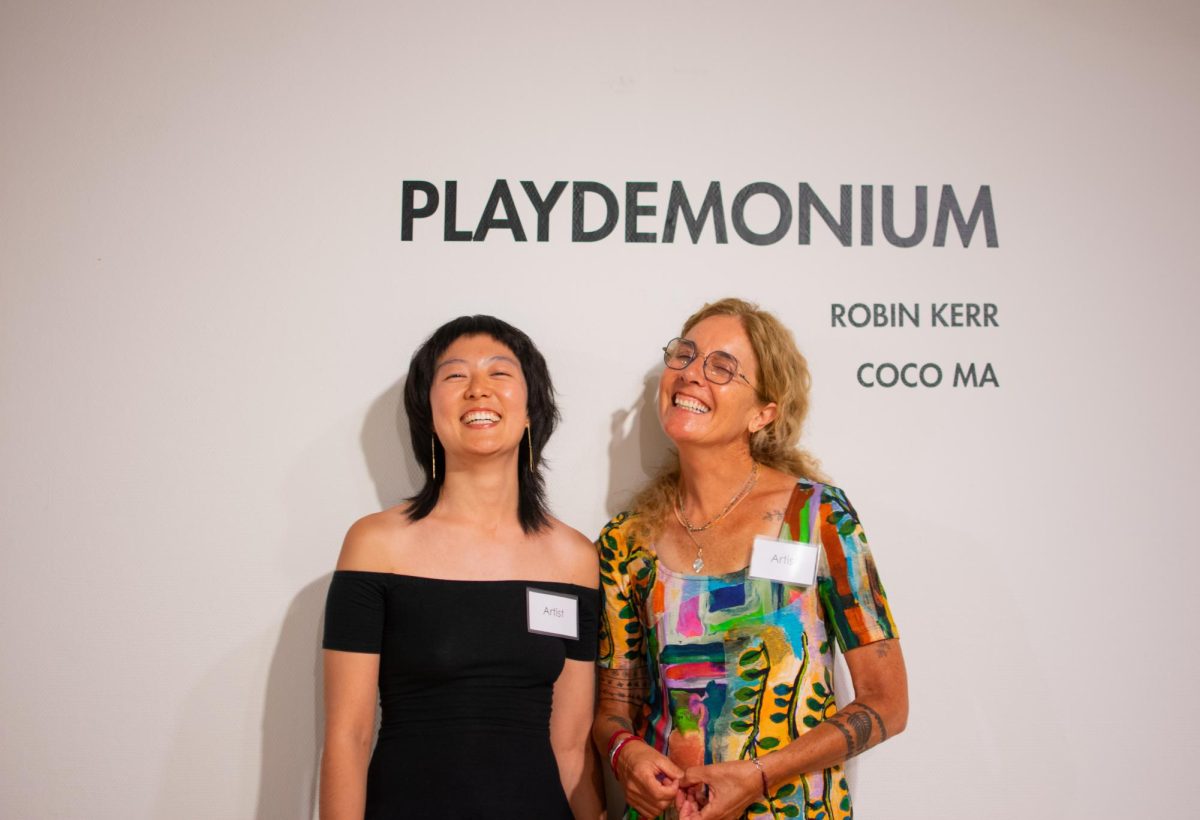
{"points": [[765, 415]]}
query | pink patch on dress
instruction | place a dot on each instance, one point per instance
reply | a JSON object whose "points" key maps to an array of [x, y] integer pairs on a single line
{"points": [[688, 623]]}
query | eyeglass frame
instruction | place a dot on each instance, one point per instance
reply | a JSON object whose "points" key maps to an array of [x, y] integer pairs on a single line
{"points": [[704, 362]]}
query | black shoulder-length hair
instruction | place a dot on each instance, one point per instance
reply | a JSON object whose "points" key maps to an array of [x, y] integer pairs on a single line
{"points": [[532, 509]]}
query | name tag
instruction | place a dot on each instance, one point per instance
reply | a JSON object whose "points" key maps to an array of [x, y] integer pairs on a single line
{"points": [[553, 613], [788, 562]]}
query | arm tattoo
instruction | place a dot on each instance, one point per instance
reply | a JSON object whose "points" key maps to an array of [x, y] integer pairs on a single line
{"points": [[856, 730], [860, 722], [626, 685], [773, 515], [883, 733], [620, 722], [837, 724], [883, 649]]}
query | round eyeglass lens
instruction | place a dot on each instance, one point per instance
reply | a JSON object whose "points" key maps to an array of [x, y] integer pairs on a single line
{"points": [[720, 368], [679, 353]]}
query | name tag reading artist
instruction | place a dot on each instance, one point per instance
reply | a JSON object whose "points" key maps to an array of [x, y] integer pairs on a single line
{"points": [[553, 613], [788, 562]]}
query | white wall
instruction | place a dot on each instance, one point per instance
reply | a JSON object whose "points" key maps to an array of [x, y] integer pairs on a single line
{"points": [[206, 309]]}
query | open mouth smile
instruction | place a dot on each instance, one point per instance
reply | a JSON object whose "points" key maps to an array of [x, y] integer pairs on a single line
{"points": [[690, 404], [480, 418]]}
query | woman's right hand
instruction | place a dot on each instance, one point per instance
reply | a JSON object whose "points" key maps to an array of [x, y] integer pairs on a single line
{"points": [[650, 779]]}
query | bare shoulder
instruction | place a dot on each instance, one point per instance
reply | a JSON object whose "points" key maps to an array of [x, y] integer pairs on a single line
{"points": [[574, 554], [777, 481], [775, 489], [372, 540]]}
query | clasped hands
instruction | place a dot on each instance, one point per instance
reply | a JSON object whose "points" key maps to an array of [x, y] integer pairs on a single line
{"points": [[652, 782]]}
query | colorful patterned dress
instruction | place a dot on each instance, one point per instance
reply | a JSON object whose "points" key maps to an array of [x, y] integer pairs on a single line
{"points": [[739, 666]]}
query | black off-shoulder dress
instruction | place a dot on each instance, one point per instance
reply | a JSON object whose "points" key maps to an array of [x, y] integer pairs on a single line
{"points": [[465, 689]]}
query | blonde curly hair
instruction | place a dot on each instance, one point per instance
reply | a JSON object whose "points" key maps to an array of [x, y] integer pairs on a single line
{"points": [[782, 378]]}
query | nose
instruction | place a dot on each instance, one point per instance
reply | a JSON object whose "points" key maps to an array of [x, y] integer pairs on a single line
{"points": [[478, 386], [694, 372]]}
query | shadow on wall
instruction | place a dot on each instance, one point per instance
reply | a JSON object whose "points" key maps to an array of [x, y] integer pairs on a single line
{"points": [[638, 447], [388, 450], [293, 721]]}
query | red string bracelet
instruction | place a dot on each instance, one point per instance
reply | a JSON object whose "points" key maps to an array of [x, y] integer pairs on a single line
{"points": [[612, 741], [616, 752]]}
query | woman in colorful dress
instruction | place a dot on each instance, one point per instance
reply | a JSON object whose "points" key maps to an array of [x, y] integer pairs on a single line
{"points": [[716, 694], [468, 613]]}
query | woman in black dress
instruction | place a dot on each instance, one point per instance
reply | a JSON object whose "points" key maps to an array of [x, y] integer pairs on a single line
{"points": [[468, 612]]}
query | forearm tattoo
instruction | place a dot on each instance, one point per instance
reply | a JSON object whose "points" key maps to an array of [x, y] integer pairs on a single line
{"points": [[856, 725], [837, 724], [883, 733], [625, 685], [621, 722]]}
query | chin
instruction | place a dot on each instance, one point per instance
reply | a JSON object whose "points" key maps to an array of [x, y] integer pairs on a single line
{"points": [[682, 431], [490, 448]]}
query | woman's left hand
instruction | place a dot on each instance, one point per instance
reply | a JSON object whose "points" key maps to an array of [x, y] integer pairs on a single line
{"points": [[730, 787]]}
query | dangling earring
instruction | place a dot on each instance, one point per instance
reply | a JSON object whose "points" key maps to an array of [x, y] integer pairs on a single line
{"points": [[529, 433], [433, 454]]}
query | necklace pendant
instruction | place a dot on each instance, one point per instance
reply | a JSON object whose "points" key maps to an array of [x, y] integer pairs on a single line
{"points": [[698, 564]]}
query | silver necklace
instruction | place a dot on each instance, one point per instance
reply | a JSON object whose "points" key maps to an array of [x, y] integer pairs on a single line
{"points": [[690, 528]]}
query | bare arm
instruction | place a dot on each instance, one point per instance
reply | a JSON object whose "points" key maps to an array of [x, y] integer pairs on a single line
{"points": [[649, 779], [881, 692], [574, 698], [622, 692], [351, 690], [878, 711]]}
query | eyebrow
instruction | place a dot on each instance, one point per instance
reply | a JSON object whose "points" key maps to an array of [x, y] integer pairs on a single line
{"points": [[501, 358], [718, 350]]}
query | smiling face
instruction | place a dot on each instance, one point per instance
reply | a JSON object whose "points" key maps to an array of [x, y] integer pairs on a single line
{"points": [[478, 398], [693, 410]]}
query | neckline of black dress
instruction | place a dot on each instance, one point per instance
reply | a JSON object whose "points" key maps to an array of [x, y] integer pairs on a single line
{"points": [[525, 581]]}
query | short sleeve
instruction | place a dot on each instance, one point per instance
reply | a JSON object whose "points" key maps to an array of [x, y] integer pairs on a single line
{"points": [[584, 649], [354, 611], [622, 641], [856, 606]]}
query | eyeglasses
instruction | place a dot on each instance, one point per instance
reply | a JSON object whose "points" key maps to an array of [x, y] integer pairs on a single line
{"points": [[719, 366]]}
